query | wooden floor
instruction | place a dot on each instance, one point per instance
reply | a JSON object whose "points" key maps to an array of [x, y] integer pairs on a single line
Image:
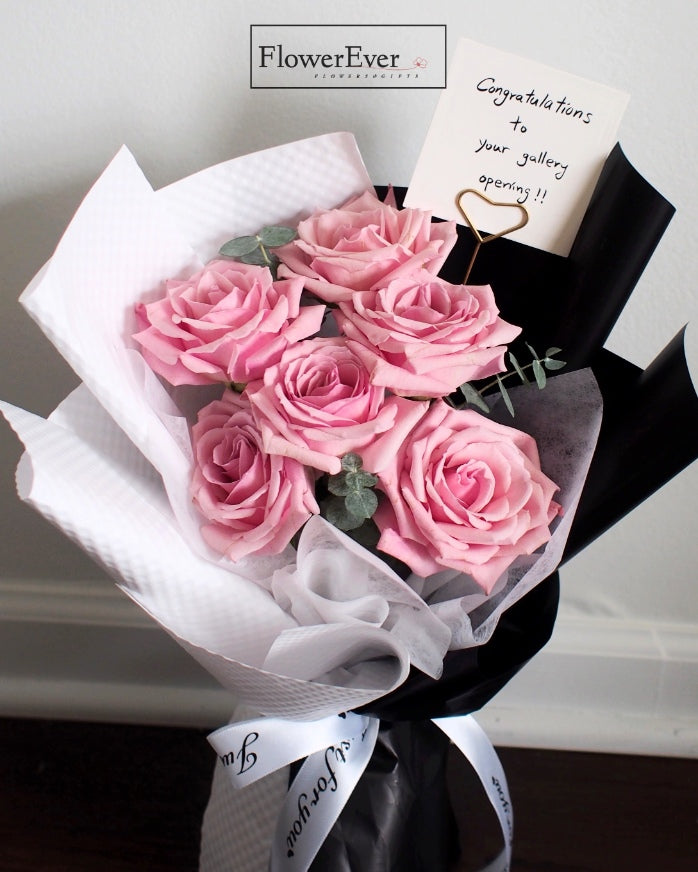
{"points": [[106, 798]]}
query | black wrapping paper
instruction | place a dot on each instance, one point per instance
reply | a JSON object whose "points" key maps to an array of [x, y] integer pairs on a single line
{"points": [[399, 815], [574, 302], [647, 437]]}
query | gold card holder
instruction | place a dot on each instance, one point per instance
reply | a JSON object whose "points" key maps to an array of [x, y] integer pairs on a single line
{"points": [[480, 240]]}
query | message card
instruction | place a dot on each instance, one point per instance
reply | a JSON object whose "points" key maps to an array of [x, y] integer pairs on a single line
{"points": [[518, 132]]}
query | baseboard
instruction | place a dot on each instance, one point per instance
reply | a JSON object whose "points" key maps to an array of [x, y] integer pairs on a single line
{"points": [[81, 650]]}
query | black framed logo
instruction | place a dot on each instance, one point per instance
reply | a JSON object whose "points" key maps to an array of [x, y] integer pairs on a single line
{"points": [[348, 56]]}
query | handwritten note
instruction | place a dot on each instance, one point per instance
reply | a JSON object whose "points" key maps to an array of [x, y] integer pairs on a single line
{"points": [[518, 132]]}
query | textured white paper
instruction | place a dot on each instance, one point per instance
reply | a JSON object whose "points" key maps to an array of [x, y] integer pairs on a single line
{"points": [[518, 132], [311, 635], [113, 474]]}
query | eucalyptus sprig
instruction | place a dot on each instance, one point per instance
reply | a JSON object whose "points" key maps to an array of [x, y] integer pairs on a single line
{"points": [[475, 396], [353, 499], [256, 249]]}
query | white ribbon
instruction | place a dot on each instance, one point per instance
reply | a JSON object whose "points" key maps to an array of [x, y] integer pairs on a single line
{"points": [[249, 750], [338, 749], [471, 740], [316, 798]]}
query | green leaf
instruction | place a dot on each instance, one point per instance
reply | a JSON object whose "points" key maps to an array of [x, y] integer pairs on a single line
{"points": [[533, 351], [274, 236], [362, 503], [338, 515], [505, 396], [356, 480], [473, 398], [256, 258], [521, 374], [539, 373], [548, 363], [239, 246], [337, 484], [352, 462], [551, 352]]}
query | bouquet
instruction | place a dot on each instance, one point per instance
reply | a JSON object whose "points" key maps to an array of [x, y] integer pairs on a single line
{"points": [[272, 466]]}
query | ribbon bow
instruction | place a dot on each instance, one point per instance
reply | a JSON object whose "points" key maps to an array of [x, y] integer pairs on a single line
{"points": [[337, 749]]}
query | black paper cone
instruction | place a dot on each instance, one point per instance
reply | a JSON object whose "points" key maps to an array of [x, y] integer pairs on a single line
{"points": [[647, 437], [621, 228], [574, 302], [399, 816]]}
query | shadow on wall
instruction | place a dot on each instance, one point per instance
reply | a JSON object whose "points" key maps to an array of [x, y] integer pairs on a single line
{"points": [[30, 369], [34, 376]]}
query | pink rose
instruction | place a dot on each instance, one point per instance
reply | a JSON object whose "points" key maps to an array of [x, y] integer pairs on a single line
{"points": [[462, 492], [254, 502], [362, 244], [421, 336], [227, 323], [318, 404]]}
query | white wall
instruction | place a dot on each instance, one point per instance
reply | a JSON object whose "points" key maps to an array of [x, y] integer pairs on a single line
{"points": [[170, 78]]}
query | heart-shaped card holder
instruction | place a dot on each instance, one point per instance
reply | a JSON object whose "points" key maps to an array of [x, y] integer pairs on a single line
{"points": [[479, 238]]}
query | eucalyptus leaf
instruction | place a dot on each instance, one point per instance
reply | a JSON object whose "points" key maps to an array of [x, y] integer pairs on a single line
{"points": [[357, 480], [240, 246], [539, 373], [533, 351], [551, 352], [362, 503], [519, 371], [548, 363], [473, 398], [352, 462], [256, 258], [337, 484], [274, 236], [338, 515], [505, 396]]}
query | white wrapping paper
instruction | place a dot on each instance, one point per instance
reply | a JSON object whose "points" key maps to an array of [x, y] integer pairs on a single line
{"points": [[301, 637]]}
